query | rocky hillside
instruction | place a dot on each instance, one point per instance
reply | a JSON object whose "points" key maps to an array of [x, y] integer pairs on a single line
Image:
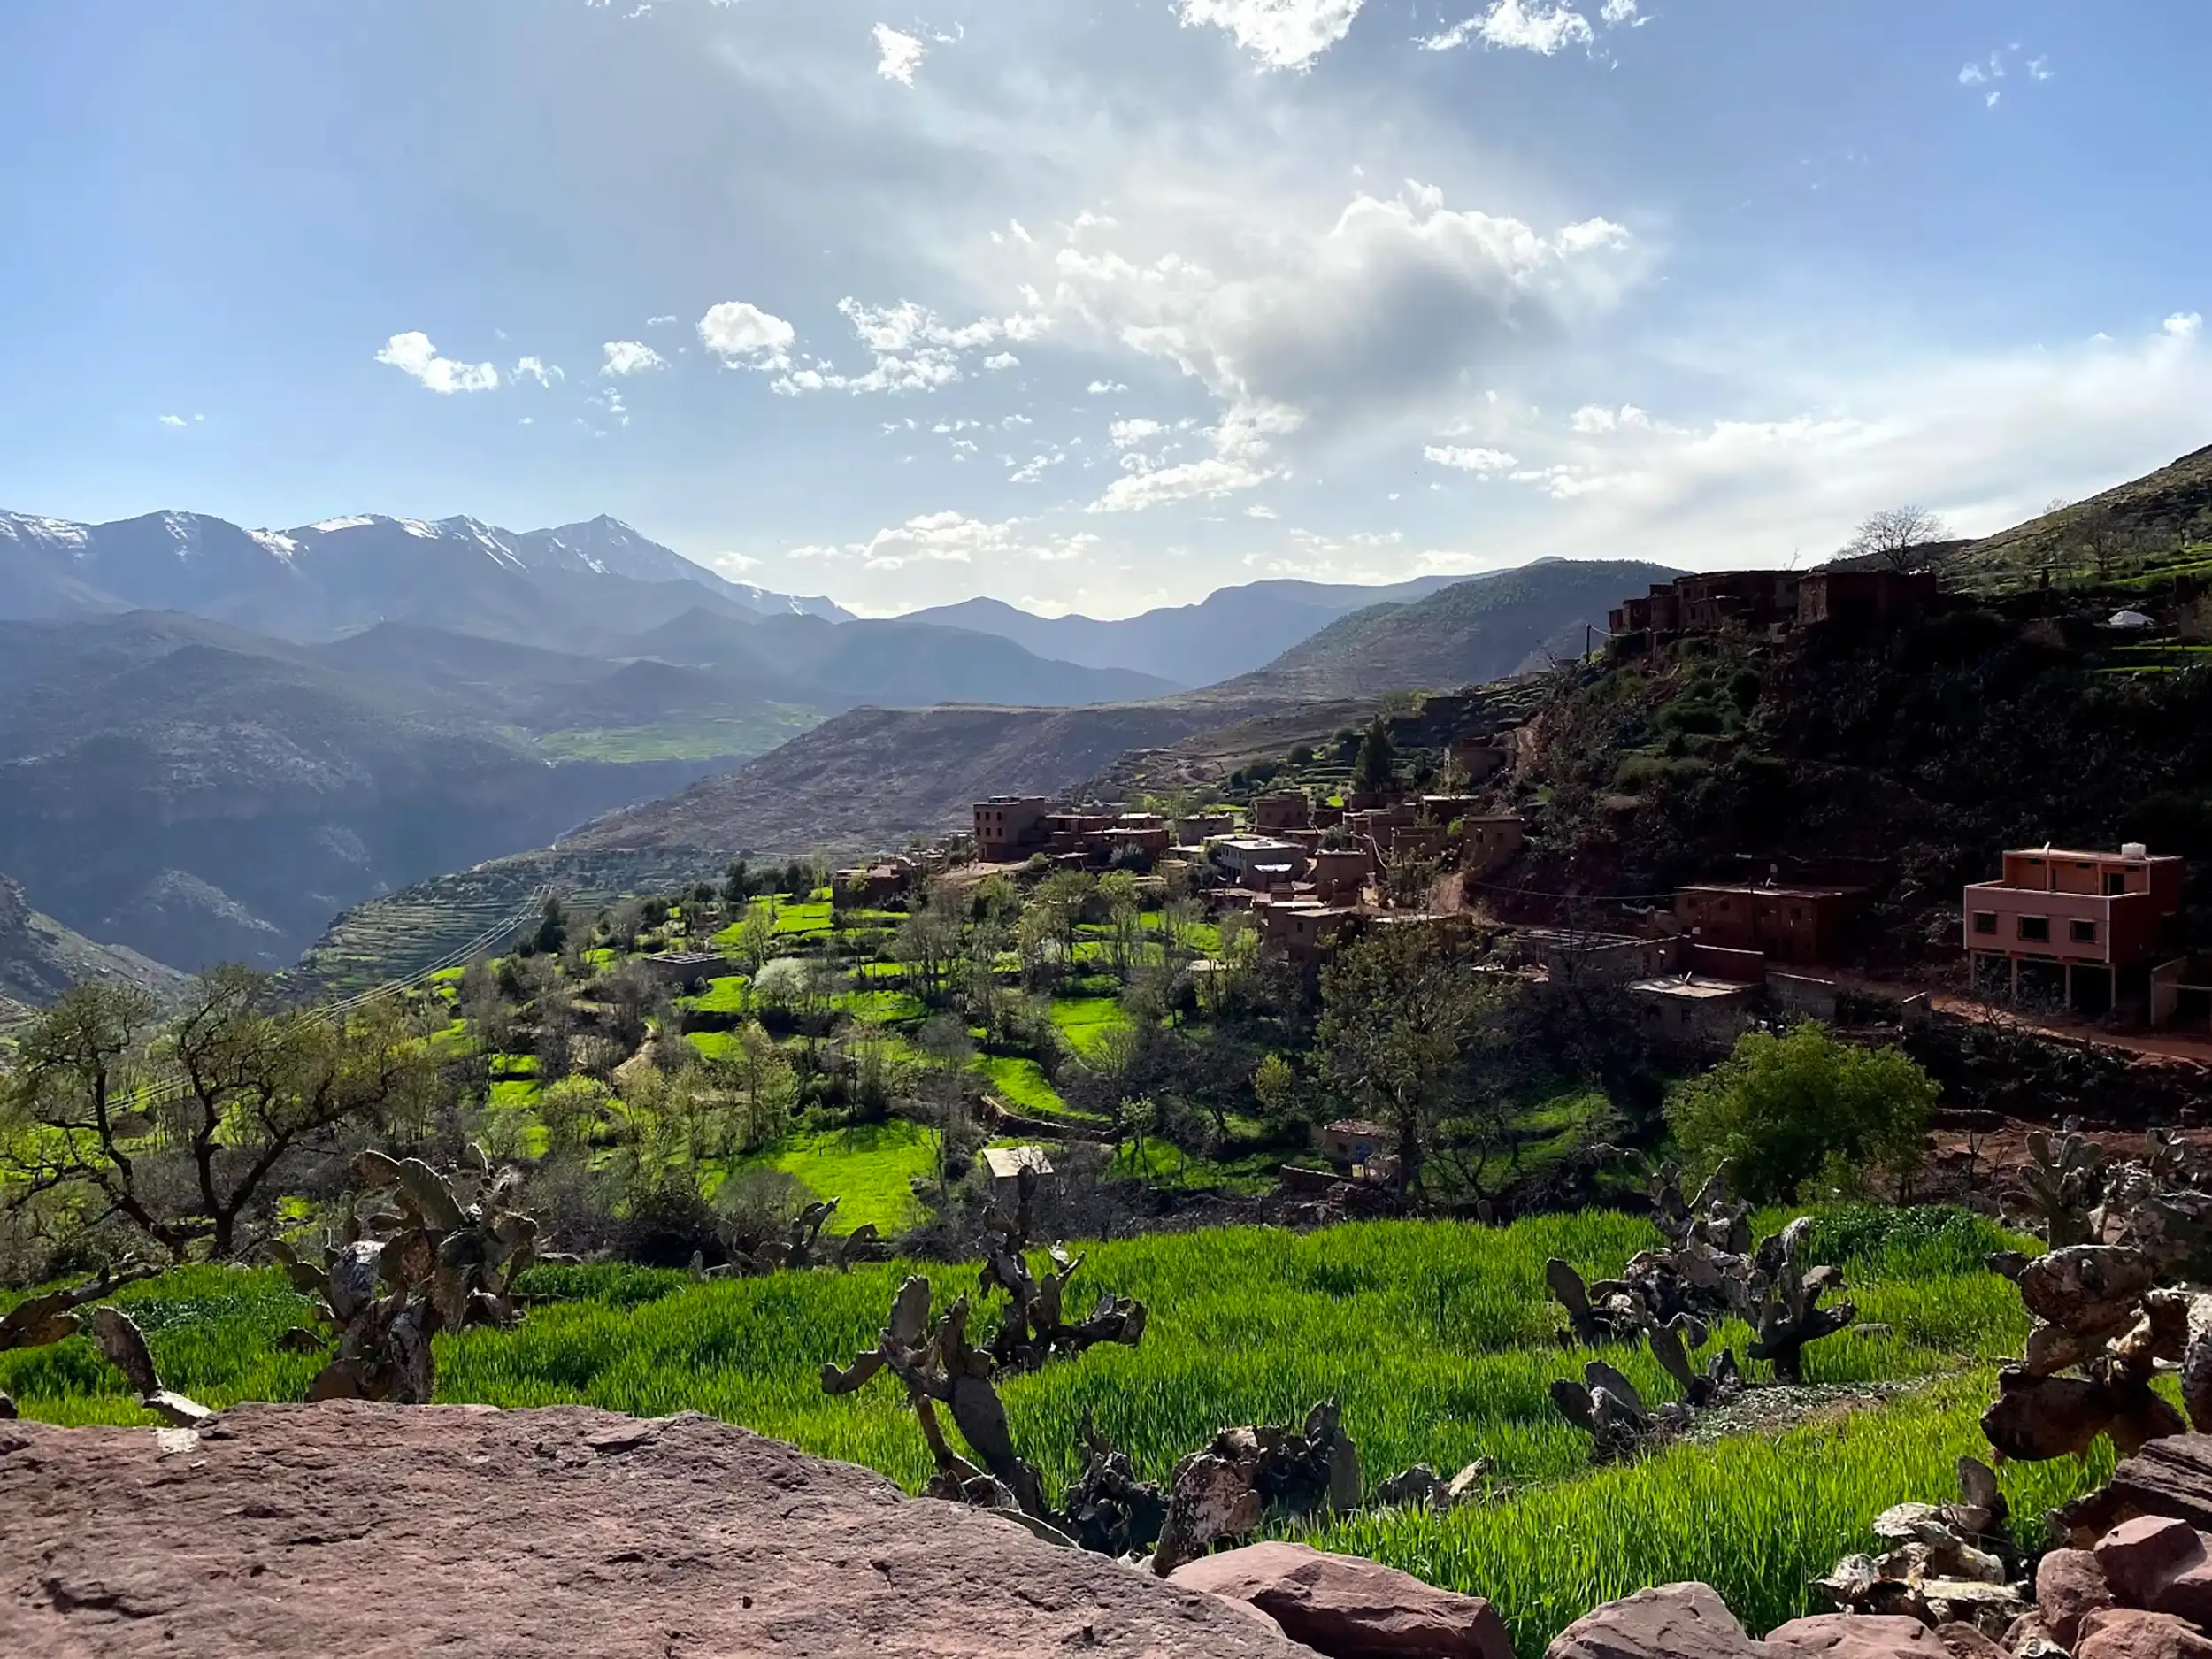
{"points": [[1915, 754], [2157, 519], [40, 958], [199, 794], [1231, 631], [1482, 629]]}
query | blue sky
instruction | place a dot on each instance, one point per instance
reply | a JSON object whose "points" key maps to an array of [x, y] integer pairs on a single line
{"points": [[1100, 306]]}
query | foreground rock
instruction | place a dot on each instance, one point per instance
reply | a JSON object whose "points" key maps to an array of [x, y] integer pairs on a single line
{"points": [[376, 1530], [1674, 1621], [1349, 1608]]}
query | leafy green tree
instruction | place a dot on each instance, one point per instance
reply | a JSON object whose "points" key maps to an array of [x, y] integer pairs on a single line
{"points": [[1402, 1019], [1375, 771], [756, 937], [552, 927], [1062, 896], [1275, 1086], [1781, 1109], [256, 1088]]}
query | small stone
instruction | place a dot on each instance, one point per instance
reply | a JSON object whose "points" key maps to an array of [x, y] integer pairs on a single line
{"points": [[1350, 1608]]}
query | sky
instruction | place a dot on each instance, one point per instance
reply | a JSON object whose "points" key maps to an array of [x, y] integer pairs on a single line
{"points": [[1098, 304]]}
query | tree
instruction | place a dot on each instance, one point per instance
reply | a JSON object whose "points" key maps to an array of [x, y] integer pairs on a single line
{"points": [[252, 1087], [1897, 537], [1124, 920], [1780, 1109], [552, 927], [1062, 896], [1401, 1012], [764, 1083], [927, 943], [1375, 771], [756, 937]]}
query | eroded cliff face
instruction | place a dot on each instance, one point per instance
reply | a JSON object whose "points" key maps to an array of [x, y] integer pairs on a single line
{"points": [[353, 1528]]}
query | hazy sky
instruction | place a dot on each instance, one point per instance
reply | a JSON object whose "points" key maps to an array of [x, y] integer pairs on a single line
{"points": [[1104, 304]]}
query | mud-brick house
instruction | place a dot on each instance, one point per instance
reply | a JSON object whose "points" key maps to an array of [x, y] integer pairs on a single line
{"points": [[1285, 810], [2080, 928], [1359, 1149], [1799, 925], [1010, 827]]}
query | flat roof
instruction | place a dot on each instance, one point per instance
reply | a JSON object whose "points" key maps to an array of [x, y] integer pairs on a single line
{"points": [[1007, 1162], [2087, 857], [1757, 888], [1694, 987]]}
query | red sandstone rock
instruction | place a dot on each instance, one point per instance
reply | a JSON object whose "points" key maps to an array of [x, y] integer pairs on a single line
{"points": [[1675, 1621], [2128, 1632], [1855, 1636], [2157, 1562], [1349, 1607], [2068, 1586], [1964, 1641], [383, 1532]]}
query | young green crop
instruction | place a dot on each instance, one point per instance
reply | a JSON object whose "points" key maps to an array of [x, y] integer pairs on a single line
{"points": [[1437, 1337]]}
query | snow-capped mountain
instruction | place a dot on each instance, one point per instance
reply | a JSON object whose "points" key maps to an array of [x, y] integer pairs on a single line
{"points": [[568, 585]]}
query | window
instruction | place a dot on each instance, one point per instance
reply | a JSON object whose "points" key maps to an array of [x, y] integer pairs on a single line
{"points": [[2084, 932], [2035, 929], [2114, 881], [1985, 921]]}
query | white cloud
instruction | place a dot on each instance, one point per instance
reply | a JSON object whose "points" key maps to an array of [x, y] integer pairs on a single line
{"points": [[670, 322], [1258, 511], [953, 538], [915, 351], [1003, 360], [1105, 389], [1596, 418], [175, 420], [2183, 326], [1128, 434], [745, 336], [1617, 12], [1281, 34], [539, 370], [1192, 480], [899, 56], [1973, 75], [1510, 25], [630, 356], [1483, 463], [1387, 307], [413, 356], [610, 402], [2039, 69]]}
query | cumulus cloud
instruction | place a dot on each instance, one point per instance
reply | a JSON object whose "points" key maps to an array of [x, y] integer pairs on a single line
{"points": [[898, 56], [539, 370], [915, 351], [630, 356], [175, 420], [1382, 310], [413, 356], [1105, 389], [745, 336], [1510, 25], [1483, 463], [1281, 34], [1596, 418], [1128, 434], [670, 322]]}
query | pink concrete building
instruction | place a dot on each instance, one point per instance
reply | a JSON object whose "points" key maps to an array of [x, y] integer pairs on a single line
{"points": [[2073, 925]]}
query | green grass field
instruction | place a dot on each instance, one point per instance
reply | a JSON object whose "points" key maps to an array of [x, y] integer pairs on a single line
{"points": [[1437, 1337], [868, 1170], [1085, 1022]]}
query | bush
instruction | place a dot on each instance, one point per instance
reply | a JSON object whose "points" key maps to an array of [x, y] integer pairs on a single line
{"points": [[1781, 1109]]}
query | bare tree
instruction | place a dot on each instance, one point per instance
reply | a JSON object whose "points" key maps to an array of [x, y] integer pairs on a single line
{"points": [[1898, 537]]}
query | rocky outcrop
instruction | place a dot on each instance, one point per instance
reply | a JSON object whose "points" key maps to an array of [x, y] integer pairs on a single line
{"points": [[349, 1528], [1349, 1607], [1674, 1621]]}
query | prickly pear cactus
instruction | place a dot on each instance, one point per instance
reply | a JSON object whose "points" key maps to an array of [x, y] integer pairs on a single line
{"points": [[445, 1254]]}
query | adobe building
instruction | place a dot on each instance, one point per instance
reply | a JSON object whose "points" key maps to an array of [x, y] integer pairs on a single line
{"points": [[1010, 827], [1361, 1150], [1303, 931], [1285, 810], [1258, 862], [1863, 597], [1801, 925], [2085, 928]]}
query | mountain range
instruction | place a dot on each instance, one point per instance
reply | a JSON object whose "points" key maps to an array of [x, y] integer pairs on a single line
{"points": [[1231, 631], [579, 586]]}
